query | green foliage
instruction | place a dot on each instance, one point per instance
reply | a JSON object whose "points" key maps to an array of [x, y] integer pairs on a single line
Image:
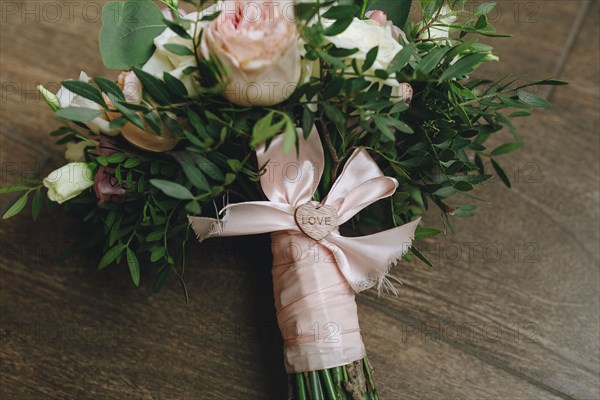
{"points": [[128, 32], [435, 146]]}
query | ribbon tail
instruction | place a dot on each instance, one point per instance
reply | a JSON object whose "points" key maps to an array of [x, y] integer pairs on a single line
{"points": [[365, 261], [249, 218]]}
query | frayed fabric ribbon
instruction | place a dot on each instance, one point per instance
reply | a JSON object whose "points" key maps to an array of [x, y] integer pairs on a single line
{"points": [[315, 280]]}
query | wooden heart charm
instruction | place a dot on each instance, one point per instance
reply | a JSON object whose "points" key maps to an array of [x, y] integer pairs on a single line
{"points": [[316, 222]]}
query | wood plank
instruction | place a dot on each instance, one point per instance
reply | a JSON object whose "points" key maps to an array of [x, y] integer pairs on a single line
{"points": [[44, 43], [531, 258], [117, 342], [69, 331], [18, 161]]}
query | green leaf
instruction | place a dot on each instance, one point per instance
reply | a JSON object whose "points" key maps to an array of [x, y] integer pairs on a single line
{"points": [[546, 82], [36, 204], [111, 255], [396, 10], [532, 100], [341, 12], [130, 115], [338, 27], [209, 168], [179, 49], [424, 233], [462, 67], [290, 135], [175, 86], [134, 267], [485, 8], [154, 86], [463, 186], [109, 87], [195, 176], [334, 114], [308, 121], [402, 58], [193, 208], [178, 29], [432, 60], [116, 158], [503, 176], [17, 207], [172, 189], [157, 254], [118, 123], [85, 90], [265, 128], [420, 256], [128, 33], [161, 278], [14, 188], [131, 162], [78, 114], [507, 148], [155, 236], [370, 58]]}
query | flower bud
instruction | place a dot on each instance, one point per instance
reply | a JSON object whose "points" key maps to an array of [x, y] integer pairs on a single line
{"points": [[50, 98]]}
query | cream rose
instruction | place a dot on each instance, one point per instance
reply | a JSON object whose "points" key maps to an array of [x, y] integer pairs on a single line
{"points": [[439, 31], [257, 43], [365, 35], [69, 181], [67, 98], [164, 60]]}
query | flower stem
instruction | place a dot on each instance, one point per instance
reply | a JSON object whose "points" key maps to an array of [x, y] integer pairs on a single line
{"points": [[349, 382]]}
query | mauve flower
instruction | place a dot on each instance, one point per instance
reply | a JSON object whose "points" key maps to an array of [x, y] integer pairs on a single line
{"points": [[107, 187]]}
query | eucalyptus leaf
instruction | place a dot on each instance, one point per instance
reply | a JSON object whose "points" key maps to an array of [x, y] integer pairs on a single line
{"points": [[128, 33], [78, 114]]}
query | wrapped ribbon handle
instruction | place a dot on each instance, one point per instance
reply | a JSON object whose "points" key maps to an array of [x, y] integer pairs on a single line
{"points": [[344, 265]]}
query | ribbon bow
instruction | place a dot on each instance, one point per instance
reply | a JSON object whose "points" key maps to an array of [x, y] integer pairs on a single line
{"points": [[290, 183]]}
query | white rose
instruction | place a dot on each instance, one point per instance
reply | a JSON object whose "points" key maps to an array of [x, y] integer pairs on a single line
{"points": [[68, 181], [70, 99], [257, 43], [365, 35], [438, 31]]}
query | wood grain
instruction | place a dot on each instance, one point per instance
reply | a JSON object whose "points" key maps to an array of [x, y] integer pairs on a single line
{"points": [[511, 310]]}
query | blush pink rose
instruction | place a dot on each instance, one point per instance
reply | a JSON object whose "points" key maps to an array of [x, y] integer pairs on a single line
{"points": [[257, 43]]}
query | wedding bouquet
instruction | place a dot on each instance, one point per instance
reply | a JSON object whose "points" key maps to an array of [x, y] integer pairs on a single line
{"points": [[297, 116]]}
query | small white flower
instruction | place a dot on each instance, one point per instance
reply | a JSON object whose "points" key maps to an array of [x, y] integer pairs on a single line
{"points": [[50, 98], [70, 99], [69, 181], [75, 151]]}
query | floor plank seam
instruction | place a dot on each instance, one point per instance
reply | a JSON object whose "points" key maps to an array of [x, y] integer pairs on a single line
{"points": [[465, 349], [570, 44], [23, 139]]}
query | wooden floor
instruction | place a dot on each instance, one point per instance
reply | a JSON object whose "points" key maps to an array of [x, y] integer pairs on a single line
{"points": [[511, 310]]}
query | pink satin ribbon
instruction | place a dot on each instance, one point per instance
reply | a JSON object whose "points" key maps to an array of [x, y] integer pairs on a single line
{"points": [[315, 282]]}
